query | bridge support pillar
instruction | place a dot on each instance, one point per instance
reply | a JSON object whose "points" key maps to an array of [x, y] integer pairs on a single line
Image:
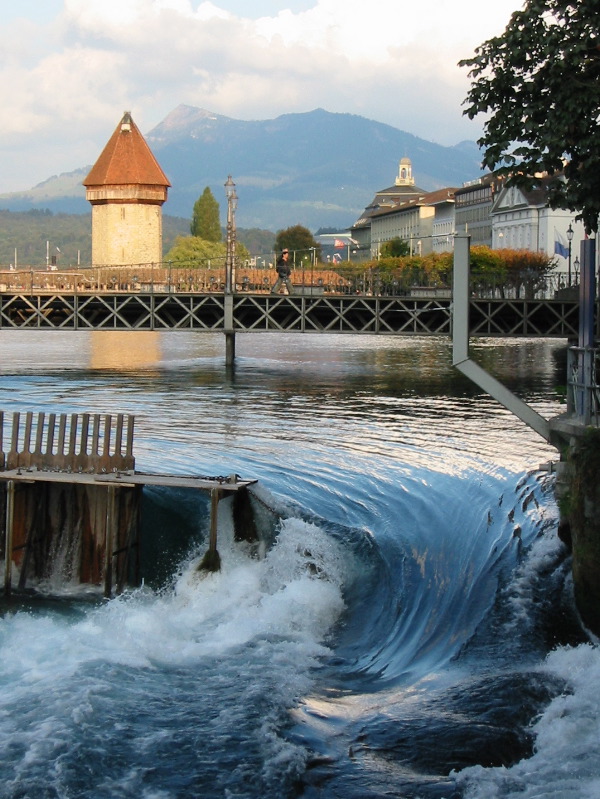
{"points": [[229, 348], [229, 332]]}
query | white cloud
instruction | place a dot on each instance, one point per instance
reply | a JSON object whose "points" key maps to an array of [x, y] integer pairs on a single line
{"points": [[66, 82]]}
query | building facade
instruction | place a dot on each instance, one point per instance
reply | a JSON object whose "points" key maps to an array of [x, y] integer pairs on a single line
{"points": [[402, 190], [426, 222], [522, 219], [490, 212], [473, 206]]}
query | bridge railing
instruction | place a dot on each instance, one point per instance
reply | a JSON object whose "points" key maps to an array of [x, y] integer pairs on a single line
{"points": [[583, 389], [209, 277]]}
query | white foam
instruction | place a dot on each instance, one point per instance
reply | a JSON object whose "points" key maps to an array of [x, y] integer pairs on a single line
{"points": [[543, 557], [566, 762], [294, 593], [259, 626]]}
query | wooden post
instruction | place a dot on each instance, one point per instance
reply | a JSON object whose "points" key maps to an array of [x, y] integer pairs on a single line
{"points": [[109, 540], [127, 537], [211, 561], [8, 546], [35, 528], [214, 509]]}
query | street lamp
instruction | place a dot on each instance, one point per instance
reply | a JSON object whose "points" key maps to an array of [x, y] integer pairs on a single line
{"points": [[576, 267], [570, 239], [230, 256]]}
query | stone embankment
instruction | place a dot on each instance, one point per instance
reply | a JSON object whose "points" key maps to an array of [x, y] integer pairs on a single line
{"points": [[578, 495]]}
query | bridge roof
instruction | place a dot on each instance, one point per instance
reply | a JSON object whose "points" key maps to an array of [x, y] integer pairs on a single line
{"points": [[126, 160]]}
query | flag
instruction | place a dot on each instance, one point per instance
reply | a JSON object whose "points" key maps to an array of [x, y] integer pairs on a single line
{"points": [[560, 248], [337, 243]]}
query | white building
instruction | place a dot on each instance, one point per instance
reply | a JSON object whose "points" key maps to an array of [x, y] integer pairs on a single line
{"points": [[523, 220], [425, 222], [403, 189]]}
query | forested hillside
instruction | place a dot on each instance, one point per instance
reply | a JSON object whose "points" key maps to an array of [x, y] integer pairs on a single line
{"points": [[27, 237]]}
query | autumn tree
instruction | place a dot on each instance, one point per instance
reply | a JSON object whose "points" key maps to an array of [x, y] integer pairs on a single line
{"points": [[522, 271], [505, 271], [539, 84], [205, 220]]}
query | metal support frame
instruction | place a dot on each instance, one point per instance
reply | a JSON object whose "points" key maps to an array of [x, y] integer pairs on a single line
{"points": [[584, 358], [245, 313], [460, 345], [583, 371]]}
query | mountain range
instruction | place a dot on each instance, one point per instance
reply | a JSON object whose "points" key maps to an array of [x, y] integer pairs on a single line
{"points": [[318, 169]]}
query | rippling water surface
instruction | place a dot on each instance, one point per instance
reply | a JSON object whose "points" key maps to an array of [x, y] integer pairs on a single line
{"points": [[408, 630]]}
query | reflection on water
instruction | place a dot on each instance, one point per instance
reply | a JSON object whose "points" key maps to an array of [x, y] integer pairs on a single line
{"points": [[114, 349]]}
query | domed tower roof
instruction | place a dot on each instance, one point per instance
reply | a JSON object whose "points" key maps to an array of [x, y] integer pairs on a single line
{"points": [[405, 177], [126, 160]]}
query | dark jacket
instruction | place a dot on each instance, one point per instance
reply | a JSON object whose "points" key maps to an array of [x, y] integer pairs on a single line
{"points": [[283, 268]]}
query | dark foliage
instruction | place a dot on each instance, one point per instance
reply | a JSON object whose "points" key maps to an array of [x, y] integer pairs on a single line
{"points": [[540, 84]]}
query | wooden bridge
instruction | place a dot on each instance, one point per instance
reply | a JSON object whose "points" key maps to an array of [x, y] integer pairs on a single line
{"points": [[245, 312]]}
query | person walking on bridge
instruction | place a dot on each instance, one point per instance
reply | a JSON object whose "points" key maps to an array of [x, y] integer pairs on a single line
{"points": [[283, 271]]}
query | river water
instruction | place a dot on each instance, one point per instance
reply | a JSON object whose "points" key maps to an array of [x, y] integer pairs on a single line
{"points": [[407, 629]]}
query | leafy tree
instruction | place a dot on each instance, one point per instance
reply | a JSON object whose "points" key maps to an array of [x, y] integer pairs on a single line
{"points": [[205, 219], [526, 270], [540, 84], [297, 239], [196, 251], [395, 248], [193, 249], [484, 259], [521, 271]]}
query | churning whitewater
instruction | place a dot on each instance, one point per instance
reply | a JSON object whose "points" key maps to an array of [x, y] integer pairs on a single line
{"points": [[405, 628]]}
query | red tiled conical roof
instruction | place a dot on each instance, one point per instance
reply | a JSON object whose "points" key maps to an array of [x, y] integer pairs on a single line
{"points": [[126, 159]]}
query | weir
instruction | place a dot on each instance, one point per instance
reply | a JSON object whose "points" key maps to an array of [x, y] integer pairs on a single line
{"points": [[69, 491]]}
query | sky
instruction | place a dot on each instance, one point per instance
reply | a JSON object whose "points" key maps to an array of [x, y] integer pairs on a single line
{"points": [[70, 68]]}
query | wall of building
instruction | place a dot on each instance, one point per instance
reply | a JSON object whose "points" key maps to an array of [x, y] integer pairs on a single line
{"points": [[414, 225], [472, 213], [126, 233], [443, 228]]}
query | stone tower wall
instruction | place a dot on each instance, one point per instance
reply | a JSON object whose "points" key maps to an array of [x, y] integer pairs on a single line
{"points": [[126, 233]]}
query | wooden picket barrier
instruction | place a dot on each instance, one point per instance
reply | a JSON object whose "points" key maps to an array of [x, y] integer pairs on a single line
{"points": [[68, 484], [69, 442]]}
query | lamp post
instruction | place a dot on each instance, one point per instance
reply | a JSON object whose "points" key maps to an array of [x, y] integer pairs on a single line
{"points": [[230, 255], [570, 239]]}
